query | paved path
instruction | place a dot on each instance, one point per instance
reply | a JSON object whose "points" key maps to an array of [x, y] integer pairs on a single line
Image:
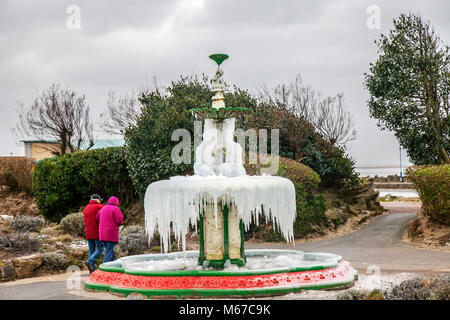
{"points": [[378, 243]]}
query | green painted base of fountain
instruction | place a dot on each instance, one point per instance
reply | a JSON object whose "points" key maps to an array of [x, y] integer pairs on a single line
{"points": [[220, 264], [128, 275]]}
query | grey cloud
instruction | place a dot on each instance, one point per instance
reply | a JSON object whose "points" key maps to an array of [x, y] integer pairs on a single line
{"points": [[122, 43]]}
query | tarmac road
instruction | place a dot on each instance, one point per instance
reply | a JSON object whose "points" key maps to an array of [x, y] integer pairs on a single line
{"points": [[379, 243], [376, 244]]}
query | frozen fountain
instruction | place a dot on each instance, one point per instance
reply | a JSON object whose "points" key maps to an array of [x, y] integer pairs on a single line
{"points": [[220, 201]]}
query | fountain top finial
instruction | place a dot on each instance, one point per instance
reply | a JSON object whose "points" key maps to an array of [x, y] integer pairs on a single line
{"points": [[218, 110], [219, 58]]}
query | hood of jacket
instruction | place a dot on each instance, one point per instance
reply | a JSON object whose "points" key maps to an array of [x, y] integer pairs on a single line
{"points": [[113, 201]]}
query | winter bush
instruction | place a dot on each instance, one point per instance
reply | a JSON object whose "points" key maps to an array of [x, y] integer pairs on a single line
{"points": [[420, 289], [133, 240], [21, 243], [73, 224], [15, 172], [352, 295], [55, 261], [27, 223], [442, 292]]}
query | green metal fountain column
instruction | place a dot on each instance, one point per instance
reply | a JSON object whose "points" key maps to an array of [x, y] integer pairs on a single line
{"points": [[221, 230], [218, 260]]}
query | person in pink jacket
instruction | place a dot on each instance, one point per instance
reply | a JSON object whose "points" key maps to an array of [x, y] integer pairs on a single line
{"points": [[110, 218]]}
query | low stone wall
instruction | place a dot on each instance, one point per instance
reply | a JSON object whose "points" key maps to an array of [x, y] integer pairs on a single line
{"points": [[40, 263], [389, 178], [393, 185]]}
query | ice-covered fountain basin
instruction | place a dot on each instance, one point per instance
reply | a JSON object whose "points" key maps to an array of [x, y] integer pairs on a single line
{"points": [[268, 272], [179, 201], [258, 262]]}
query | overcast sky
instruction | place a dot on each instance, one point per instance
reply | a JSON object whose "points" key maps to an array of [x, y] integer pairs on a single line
{"points": [[122, 44]]}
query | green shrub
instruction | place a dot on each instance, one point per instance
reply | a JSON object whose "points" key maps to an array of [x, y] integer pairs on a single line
{"points": [[299, 174], [311, 206], [310, 213], [433, 185], [64, 184], [333, 166], [149, 142]]}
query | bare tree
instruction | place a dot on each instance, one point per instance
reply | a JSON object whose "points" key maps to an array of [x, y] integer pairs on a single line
{"points": [[121, 113], [333, 121], [57, 114], [329, 115]]}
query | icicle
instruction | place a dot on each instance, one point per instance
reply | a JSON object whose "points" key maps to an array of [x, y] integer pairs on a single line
{"points": [[181, 200]]}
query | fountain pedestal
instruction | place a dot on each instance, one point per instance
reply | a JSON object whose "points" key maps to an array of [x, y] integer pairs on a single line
{"points": [[221, 237]]}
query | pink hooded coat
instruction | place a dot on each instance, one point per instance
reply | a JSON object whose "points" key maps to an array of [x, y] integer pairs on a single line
{"points": [[110, 218]]}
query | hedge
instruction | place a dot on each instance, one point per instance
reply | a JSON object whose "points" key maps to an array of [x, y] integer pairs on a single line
{"points": [[63, 184], [310, 204], [433, 185]]}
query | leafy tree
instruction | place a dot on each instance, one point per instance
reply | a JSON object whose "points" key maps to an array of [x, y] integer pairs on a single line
{"points": [[409, 89]]}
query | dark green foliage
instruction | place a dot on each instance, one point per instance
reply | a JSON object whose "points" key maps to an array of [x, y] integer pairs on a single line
{"points": [[433, 185], [150, 146], [310, 213], [64, 184], [334, 167], [149, 142], [311, 205], [409, 89]]}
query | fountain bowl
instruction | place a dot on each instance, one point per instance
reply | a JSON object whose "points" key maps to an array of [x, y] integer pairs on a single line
{"points": [[177, 274]]}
